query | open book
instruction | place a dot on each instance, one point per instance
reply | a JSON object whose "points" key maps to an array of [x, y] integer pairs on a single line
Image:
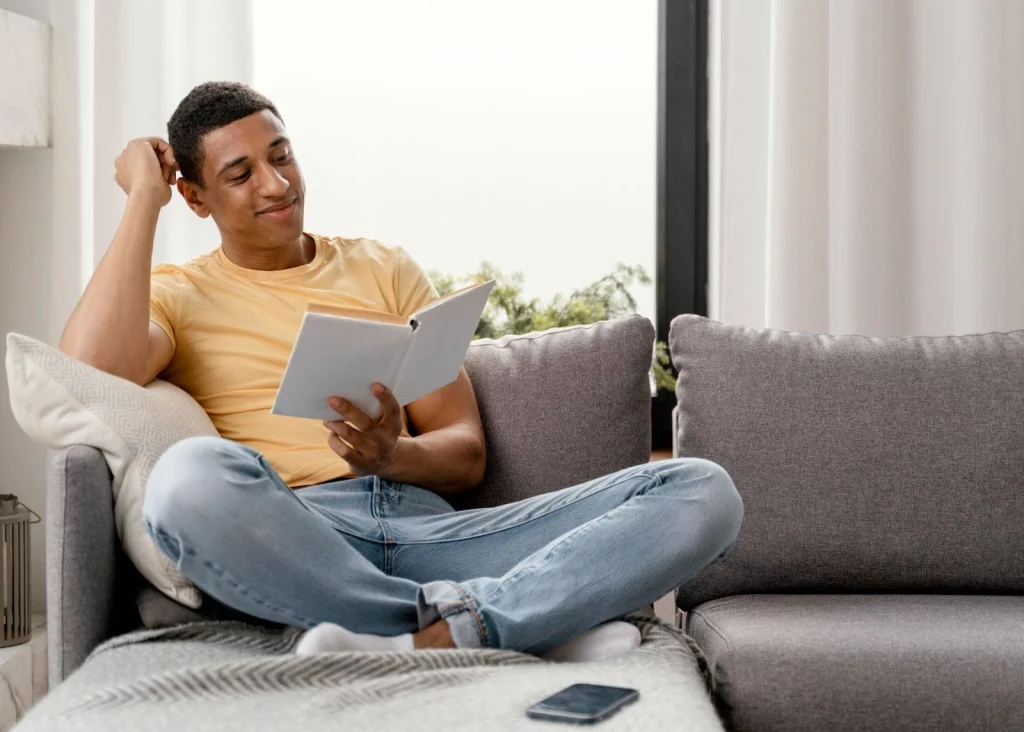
{"points": [[343, 351]]}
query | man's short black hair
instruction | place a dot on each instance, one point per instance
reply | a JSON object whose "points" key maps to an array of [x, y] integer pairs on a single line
{"points": [[208, 107]]}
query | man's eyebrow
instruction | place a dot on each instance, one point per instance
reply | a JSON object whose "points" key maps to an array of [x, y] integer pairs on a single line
{"points": [[238, 161], [233, 163]]}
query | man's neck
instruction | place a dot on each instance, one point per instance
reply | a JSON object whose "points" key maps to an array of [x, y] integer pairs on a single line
{"points": [[301, 252]]}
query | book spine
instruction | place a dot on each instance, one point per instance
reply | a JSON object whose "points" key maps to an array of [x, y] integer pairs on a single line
{"points": [[398, 371]]}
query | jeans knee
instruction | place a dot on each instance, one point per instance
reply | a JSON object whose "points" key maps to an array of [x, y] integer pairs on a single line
{"points": [[721, 504], [185, 481], [725, 505]]}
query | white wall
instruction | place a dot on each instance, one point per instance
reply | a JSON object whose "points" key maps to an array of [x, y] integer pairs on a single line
{"points": [[26, 254]]}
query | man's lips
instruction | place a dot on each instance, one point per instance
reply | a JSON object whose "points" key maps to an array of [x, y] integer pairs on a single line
{"points": [[279, 210]]}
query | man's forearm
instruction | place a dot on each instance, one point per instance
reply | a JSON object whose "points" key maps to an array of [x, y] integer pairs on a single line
{"points": [[447, 461], [109, 327]]}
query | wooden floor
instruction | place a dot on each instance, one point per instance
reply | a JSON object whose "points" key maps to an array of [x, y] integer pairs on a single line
{"points": [[661, 455]]}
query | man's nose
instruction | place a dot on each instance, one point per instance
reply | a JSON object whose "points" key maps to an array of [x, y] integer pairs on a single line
{"points": [[271, 183]]}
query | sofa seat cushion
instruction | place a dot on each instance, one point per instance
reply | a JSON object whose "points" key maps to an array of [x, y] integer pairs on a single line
{"points": [[865, 662]]}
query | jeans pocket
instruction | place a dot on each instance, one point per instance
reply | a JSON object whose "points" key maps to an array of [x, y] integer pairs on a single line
{"points": [[402, 500]]}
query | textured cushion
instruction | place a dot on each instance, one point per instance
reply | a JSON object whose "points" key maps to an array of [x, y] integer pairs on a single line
{"points": [[237, 678], [562, 406], [62, 402], [865, 464], [805, 663]]}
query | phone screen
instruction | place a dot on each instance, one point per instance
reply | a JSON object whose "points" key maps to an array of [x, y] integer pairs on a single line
{"points": [[583, 703]]}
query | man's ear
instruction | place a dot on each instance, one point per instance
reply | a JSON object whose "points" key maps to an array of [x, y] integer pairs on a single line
{"points": [[193, 196]]}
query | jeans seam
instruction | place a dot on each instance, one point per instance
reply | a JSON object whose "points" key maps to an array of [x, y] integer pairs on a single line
{"points": [[470, 605], [376, 507], [642, 474], [224, 576], [347, 532]]}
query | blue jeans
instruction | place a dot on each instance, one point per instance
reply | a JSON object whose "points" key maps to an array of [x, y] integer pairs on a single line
{"points": [[388, 558]]}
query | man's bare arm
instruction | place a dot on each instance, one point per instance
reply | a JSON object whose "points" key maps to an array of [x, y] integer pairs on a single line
{"points": [[448, 456], [110, 327]]}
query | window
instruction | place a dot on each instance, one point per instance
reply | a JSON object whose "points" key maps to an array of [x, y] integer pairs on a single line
{"points": [[555, 138], [521, 133]]}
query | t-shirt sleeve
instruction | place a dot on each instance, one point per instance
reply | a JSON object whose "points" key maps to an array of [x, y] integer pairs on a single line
{"points": [[413, 289], [164, 302]]}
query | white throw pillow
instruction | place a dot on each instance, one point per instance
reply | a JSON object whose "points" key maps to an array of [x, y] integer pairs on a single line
{"points": [[60, 402]]}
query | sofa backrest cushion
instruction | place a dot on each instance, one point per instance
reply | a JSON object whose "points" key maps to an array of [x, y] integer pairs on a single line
{"points": [[562, 406], [865, 464]]}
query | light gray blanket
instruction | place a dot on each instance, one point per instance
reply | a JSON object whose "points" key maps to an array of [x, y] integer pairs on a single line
{"points": [[231, 676]]}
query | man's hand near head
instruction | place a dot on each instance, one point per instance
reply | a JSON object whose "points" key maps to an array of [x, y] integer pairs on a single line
{"points": [[147, 167]]}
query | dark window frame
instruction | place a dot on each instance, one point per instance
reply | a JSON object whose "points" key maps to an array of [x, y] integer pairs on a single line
{"points": [[682, 169]]}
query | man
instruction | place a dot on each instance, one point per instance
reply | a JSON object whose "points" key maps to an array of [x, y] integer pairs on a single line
{"points": [[343, 526]]}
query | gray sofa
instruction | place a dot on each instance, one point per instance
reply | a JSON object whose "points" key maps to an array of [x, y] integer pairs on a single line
{"points": [[558, 408], [878, 581]]}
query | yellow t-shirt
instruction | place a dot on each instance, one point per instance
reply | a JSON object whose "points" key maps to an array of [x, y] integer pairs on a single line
{"points": [[233, 328]]}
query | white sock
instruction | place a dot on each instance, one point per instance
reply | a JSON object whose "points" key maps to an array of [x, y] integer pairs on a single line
{"points": [[328, 637], [603, 642]]}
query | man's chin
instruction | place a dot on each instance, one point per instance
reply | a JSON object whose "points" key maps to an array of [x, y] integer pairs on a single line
{"points": [[282, 232]]}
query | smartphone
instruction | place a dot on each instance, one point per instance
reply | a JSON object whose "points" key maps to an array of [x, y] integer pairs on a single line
{"points": [[583, 703]]}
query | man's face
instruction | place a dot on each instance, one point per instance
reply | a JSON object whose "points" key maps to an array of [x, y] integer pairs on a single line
{"points": [[252, 185]]}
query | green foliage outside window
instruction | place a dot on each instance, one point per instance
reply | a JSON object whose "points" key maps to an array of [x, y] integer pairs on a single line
{"points": [[508, 310]]}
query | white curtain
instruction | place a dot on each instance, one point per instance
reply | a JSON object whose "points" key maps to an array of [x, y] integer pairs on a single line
{"points": [[147, 56], [867, 165]]}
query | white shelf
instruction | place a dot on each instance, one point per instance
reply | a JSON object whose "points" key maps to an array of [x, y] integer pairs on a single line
{"points": [[24, 81]]}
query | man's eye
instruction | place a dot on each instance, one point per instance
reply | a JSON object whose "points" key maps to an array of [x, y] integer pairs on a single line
{"points": [[283, 158], [240, 178]]}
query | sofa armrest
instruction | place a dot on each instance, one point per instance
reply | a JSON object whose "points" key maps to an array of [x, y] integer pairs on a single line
{"points": [[81, 558]]}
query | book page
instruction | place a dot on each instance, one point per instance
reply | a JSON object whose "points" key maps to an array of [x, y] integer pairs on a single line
{"points": [[444, 329], [358, 314], [336, 356]]}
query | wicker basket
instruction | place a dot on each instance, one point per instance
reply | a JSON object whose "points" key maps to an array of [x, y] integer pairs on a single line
{"points": [[14, 571]]}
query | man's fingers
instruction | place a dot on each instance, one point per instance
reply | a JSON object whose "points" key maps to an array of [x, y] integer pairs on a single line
{"points": [[352, 436], [390, 409], [349, 454], [344, 450], [159, 144], [351, 413], [163, 151]]}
